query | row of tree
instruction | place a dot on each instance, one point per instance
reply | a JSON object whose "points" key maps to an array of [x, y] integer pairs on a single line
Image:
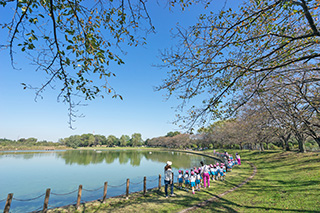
{"points": [[89, 140], [258, 68], [26, 142], [285, 121]]}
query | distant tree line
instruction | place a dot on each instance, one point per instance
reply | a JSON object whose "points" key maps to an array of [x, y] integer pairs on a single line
{"points": [[251, 130], [90, 140], [26, 142]]}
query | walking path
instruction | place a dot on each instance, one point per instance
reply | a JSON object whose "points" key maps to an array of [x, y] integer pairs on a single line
{"points": [[213, 199]]}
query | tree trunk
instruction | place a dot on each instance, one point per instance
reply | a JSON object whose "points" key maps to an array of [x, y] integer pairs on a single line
{"points": [[317, 140], [283, 142], [287, 142], [240, 146], [261, 147], [300, 138]]}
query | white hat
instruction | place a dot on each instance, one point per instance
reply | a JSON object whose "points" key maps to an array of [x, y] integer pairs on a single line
{"points": [[169, 163]]}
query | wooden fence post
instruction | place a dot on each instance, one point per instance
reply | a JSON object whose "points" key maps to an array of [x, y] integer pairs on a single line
{"points": [[105, 192], [127, 191], [144, 185], [159, 182], [46, 201], [8, 203], [79, 197]]}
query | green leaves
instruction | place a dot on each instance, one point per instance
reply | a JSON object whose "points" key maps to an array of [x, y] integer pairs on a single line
{"points": [[234, 54]]}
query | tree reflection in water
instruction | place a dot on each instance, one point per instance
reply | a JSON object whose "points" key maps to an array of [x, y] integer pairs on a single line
{"points": [[134, 157]]}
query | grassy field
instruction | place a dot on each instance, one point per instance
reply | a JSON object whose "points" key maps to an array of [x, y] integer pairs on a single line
{"points": [[285, 182]]}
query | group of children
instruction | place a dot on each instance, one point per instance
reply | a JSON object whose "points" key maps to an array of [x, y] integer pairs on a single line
{"points": [[217, 171], [194, 179], [228, 158]]}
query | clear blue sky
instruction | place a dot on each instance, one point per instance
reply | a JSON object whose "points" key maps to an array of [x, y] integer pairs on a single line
{"points": [[141, 111]]}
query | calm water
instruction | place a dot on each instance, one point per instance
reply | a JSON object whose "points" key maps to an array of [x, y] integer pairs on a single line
{"points": [[28, 174]]}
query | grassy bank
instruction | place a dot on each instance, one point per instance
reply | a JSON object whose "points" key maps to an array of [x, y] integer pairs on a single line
{"points": [[285, 182]]}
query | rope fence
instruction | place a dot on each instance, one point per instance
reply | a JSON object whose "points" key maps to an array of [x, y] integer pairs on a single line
{"points": [[69, 193], [81, 200], [26, 200], [153, 180], [116, 186], [136, 183], [92, 190]]}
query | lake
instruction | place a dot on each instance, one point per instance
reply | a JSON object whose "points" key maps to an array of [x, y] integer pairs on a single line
{"points": [[27, 174]]}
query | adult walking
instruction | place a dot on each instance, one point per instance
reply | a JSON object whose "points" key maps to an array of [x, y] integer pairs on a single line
{"points": [[238, 159], [205, 174], [168, 178], [226, 162]]}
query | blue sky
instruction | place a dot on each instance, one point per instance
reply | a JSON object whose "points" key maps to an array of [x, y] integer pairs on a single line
{"points": [[142, 110]]}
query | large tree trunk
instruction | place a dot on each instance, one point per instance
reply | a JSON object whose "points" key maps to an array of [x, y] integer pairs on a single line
{"points": [[300, 138], [317, 139], [261, 147], [315, 136], [240, 144], [285, 142]]}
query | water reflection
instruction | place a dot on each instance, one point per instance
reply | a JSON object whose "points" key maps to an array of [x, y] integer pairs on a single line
{"points": [[29, 173], [134, 157], [26, 155]]}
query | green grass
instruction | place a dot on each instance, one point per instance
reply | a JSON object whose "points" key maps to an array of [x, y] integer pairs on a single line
{"points": [[285, 182]]}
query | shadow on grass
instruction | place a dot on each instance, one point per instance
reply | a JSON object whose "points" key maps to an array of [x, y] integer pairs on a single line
{"points": [[223, 205]]}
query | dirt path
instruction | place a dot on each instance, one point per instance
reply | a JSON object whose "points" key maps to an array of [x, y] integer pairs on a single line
{"points": [[213, 199]]}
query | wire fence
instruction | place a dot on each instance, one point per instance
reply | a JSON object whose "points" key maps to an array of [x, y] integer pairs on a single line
{"points": [[153, 180], [136, 183], [80, 200], [116, 186], [30, 199], [68, 193], [92, 190], [90, 197]]}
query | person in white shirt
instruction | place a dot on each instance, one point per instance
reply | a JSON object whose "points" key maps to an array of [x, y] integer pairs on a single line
{"points": [[205, 174], [180, 178], [211, 172], [198, 179], [168, 178], [186, 181], [218, 171], [192, 179]]}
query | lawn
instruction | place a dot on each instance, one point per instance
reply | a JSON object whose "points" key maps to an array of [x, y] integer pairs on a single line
{"points": [[285, 182]]}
